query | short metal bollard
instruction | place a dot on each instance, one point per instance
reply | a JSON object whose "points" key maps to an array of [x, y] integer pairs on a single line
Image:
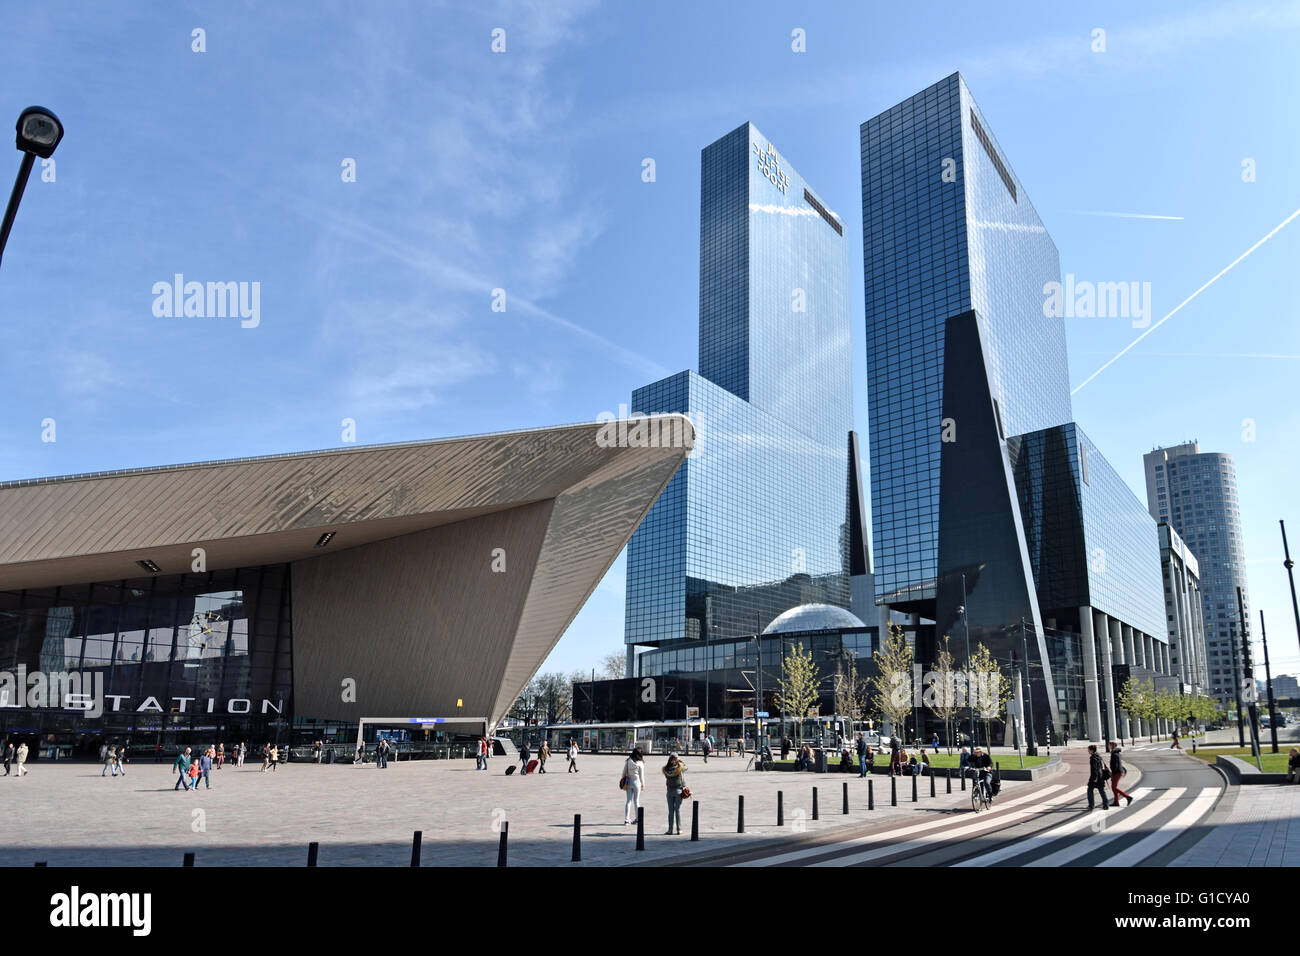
{"points": [[740, 814], [780, 808], [40, 863], [932, 784], [312, 850], [189, 860], [914, 788], [871, 794], [949, 775], [845, 809], [640, 828], [815, 817], [501, 847], [893, 791], [962, 774], [415, 847], [577, 838], [695, 821]]}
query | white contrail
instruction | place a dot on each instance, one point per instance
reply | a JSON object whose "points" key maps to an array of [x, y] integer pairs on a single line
{"points": [[1121, 215], [1222, 272]]}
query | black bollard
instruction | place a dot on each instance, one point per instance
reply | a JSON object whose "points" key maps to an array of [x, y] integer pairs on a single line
{"points": [[963, 780], [640, 828], [415, 847], [932, 783], [577, 838], [312, 850], [871, 794], [40, 863], [845, 810], [695, 821], [740, 815], [189, 860], [914, 788], [893, 790], [949, 774], [501, 847], [780, 808], [815, 817]]}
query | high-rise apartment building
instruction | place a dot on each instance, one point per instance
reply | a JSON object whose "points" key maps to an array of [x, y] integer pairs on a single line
{"points": [[758, 519], [1195, 493]]}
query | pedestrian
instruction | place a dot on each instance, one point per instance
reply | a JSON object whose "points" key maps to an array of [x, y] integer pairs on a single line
{"points": [[157, 753], [543, 752], [266, 757], [9, 755], [785, 747], [675, 776], [194, 774], [478, 754], [1292, 766], [103, 754], [221, 754], [1117, 771], [1097, 774], [119, 764], [109, 756], [707, 748], [275, 757], [573, 756], [935, 743], [525, 755], [1065, 738], [633, 781], [1175, 745], [205, 766], [22, 758], [243, 747], [181, 766], [895, 756]]}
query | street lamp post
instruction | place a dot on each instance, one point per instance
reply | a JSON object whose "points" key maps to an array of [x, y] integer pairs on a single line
{"points": [[1268, 682], [39, 132], [1290, 565], [1031, 748], [965, 629]]}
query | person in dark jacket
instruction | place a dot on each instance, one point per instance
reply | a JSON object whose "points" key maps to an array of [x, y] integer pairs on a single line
{"points": [[862, 755], [1117, 771], [1292, 766], [182, 766], [1096, 779], [205, 766], [525, 755], [9, 756]]}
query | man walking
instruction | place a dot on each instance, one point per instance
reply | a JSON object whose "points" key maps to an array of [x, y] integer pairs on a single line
{"points": [[205, 765], [861, 745], [9, 756], [1096, 778], [707, 747], [22, 758], [109, 756], [935, 743], [1117, 771], [524, 756], [182, 766]]}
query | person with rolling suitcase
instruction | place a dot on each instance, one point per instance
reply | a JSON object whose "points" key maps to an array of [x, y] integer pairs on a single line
{"points": [[525, 755]]}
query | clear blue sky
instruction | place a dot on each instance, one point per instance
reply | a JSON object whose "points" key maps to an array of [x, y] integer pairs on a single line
{"points": [[522, 170]]}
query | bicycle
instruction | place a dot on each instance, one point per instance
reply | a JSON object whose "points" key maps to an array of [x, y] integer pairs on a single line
{"points": [[764, 758], [981, 795]]}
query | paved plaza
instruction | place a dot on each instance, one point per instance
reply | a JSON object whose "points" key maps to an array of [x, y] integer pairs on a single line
{"points": [[1256, 825], [67, 814]]}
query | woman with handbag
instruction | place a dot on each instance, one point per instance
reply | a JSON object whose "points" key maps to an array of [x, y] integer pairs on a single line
{"points": [[675, 775], [632, 782]]}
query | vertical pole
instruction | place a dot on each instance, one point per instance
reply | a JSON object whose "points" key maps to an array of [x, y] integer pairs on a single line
{"points": [[893, 790], [931, 776], [1248, 673], [577, 839], [501, 846], [415, 847], [846, 799], [640, 828], [871, 794], [815, 817], [949, 776], [695, 821], [780, 808], [1268, 682], [914, 788], [1031, 745], [188, 860], [1290, 565], [740, 814], [312, 850]]}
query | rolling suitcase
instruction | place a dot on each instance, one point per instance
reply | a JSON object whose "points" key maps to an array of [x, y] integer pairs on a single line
{"points": [[532, 767], [510, 770]]}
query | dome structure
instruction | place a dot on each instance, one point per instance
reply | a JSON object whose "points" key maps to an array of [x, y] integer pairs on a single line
{"points": [[812, 617]]}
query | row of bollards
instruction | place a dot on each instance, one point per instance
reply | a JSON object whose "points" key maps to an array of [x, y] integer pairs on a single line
{"points": [[313, 849]]}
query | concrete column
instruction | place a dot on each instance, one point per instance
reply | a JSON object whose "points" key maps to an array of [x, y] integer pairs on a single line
{"points": [[1101, 624], [1091, 700], [1121, 726], [1132, 657]]}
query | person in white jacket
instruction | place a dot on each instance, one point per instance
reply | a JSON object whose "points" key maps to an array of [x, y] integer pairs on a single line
{"points": [[634, 775]]}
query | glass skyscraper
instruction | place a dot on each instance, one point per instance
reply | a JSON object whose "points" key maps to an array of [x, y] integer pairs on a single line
{"points": [[991, 510], [1195, 492], [756, 520]]}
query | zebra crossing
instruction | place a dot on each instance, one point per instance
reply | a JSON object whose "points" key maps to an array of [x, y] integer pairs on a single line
{"points": [[1047, 827]]}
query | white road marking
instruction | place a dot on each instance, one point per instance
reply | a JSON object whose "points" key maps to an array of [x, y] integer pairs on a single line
{"points": [[1126, 823], [1166, 834]]}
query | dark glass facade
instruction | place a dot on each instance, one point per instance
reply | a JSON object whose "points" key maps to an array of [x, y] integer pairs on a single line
{"points": [[756, 520], [171, 659]]}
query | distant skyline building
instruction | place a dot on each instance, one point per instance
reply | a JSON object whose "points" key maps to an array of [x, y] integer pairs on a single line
{"points": [[985, 495], [1195, 492], [759, 519]]}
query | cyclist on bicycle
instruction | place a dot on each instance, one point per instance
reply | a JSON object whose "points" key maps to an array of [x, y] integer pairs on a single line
{"points": [[983, 766]]}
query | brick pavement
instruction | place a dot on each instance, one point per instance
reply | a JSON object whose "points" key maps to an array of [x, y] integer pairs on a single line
{"points": [[67, 814], [1258, 825]]}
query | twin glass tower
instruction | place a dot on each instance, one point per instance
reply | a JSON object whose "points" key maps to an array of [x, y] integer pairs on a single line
{"points": [[993, 516]]}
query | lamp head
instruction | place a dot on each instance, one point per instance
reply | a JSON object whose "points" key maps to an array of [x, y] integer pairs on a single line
{"points": [[39, 131]]}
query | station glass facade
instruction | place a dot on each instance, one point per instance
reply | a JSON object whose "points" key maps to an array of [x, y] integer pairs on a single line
{"points": [[169, 657]]}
